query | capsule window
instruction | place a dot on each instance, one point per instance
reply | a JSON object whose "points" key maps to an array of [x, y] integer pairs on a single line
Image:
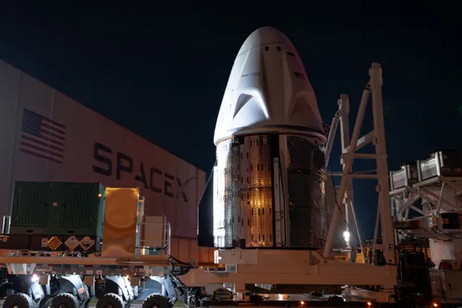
{"points": [[290, 54], [266, 48]]}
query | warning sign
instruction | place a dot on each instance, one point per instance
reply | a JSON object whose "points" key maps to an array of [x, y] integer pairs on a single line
{"points": [[72, 243], [54, 243], [44, 242], [86, 243]]}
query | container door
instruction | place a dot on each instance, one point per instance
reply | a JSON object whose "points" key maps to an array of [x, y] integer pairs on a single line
{"points": [[30, 208], [80, 203]]}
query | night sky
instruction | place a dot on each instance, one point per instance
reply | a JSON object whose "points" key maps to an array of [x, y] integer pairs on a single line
{"points": [[160, 70]]}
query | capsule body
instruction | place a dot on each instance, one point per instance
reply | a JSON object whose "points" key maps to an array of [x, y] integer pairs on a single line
{"points": [[269, 177]]}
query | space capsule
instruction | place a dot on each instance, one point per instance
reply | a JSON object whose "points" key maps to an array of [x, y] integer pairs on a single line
{"points": [[268, 184]]}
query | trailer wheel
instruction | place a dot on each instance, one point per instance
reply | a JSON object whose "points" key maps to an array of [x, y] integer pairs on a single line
{"points": [[18, 300], [65, 300], [156, 301], [110, 300]]}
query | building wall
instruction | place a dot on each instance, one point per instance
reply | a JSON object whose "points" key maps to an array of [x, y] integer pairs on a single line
{"points": [[47, 136]]}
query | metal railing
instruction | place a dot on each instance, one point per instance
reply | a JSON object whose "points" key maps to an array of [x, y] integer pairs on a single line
{"points": [[158, 241]]}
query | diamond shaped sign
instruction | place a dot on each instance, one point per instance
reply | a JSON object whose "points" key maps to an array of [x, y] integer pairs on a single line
{"points": [[72, 243], [86, 243], [54, 243]]}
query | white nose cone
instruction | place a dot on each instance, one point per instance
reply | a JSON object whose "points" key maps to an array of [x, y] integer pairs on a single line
{"points": [[268, 91]]}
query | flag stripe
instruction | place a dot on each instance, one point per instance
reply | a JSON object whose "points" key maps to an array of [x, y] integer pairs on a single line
{"points": [[53, 122], [51, 140], [41, 149], [52, 135], [53, 128], [41, 143], [41, 156]]}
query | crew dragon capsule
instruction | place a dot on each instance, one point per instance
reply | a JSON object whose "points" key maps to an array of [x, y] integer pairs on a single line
{"points": [[268, 185]]}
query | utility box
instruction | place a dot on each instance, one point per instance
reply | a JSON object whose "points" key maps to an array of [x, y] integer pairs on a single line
{"points": [[406, 176], [57, 208], [441, 163]]}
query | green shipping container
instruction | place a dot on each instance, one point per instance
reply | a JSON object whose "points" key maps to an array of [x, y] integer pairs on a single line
{"points": [[58, 208]]}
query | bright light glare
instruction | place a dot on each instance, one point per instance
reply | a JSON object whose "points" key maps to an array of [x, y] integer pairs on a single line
{"points": [[34, 278], [302, 303], [346, 236], [435, 305], [369, 303]]}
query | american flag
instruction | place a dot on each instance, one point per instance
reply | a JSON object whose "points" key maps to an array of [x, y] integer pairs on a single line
{"points": [[42, 137]]}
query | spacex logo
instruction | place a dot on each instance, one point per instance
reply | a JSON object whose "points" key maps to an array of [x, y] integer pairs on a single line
{"points": [[117, 164]]}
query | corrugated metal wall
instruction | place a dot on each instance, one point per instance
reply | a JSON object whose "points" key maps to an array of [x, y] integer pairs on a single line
{"points": [[47, 136]]}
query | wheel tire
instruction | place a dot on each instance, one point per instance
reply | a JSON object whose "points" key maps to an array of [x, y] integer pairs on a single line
{"points": [[110, 300], [156, 301], [65, 300], [20, 300]]}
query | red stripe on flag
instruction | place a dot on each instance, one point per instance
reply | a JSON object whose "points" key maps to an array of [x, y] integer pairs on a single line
{"points": [[51, 140], [41, 143], [53, 128], [41, 149], [52, 134], [53, 122]]}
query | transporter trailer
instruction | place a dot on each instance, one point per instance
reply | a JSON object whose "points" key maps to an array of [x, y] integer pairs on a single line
{"points": [[55, 262]]}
